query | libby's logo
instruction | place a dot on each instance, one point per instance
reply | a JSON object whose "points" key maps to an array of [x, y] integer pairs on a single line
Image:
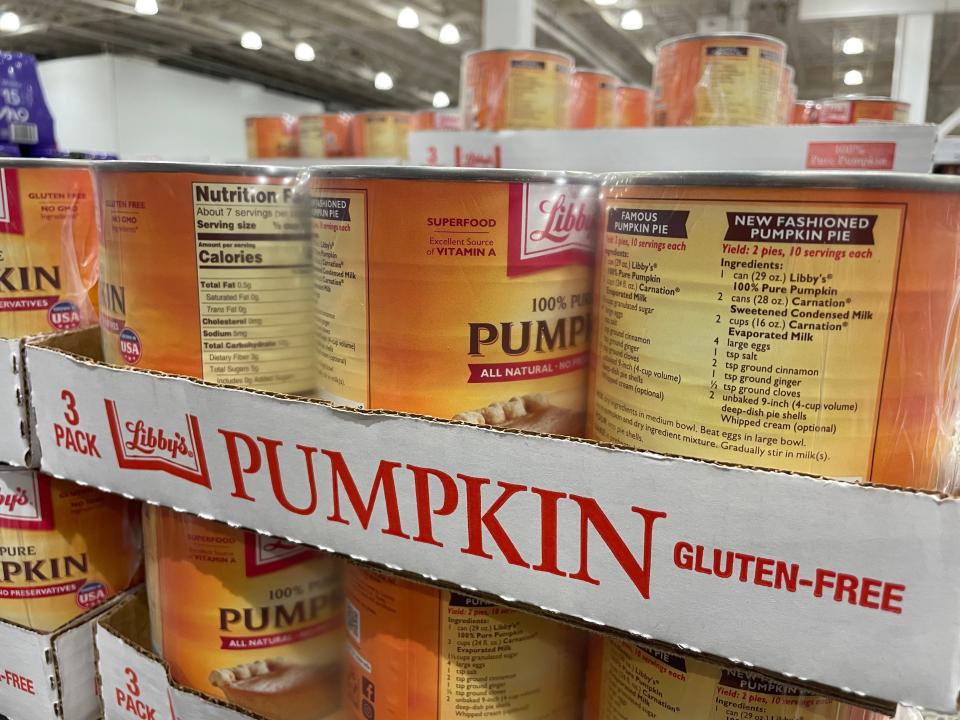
{"points": [[11, 219], [25, 501], [266, 554], [550, 226], [148, 441], [141, 446], [563, 218], [11, 500]]}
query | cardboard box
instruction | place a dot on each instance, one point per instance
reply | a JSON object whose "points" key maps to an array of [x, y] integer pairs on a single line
{"points": [[903, 148], [51, 676], [134, 682], [16, 447], [617, 539]]}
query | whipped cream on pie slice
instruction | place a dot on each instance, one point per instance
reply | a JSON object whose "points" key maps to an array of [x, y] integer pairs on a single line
{"points": [[532, 412], [281, 690]]}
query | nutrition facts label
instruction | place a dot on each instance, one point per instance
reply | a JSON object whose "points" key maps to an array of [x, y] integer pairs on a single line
{"points": [[340, 261], [255, 287], [751, 333]]}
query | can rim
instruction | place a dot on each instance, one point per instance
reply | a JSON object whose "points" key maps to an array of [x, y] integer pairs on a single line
{"points": [[382, 112], [632, 86], [870, 98], [826, 179], [543, 51], [162, 166], [726, 34], [596, 71], [281, 116], [324, 114], [448, 174], [51, 163]]}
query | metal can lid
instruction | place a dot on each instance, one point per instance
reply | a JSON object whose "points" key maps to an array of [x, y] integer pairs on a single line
{"points": [[47, 163], [403, 172], [720, 36], [238, 169], [539, 51], [826, 179]]}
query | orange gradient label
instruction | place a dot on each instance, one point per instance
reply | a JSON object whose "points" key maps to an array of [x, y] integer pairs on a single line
{"points": [[463, 300], [819, 331], [207, 276], [326, 135], [592, 99], [48, 250], [244, 617], [272, 137], [632, 106], [64, 549], [381, 134], [417, 652], [514, 89]]}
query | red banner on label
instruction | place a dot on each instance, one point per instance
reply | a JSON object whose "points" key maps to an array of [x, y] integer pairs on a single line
{"points": [[44, 302], [41, 591], [254, 642], [508, 372], [851, 155]]}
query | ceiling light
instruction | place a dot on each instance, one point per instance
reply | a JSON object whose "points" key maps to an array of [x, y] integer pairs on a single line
{"points": [[441, 99], [408, 18], [304, 52], [382, 81], [449, 34], [603, 3], [852, 46], [146, 7], [631, 20], [853, 77], [9, 22], [251, 40]]}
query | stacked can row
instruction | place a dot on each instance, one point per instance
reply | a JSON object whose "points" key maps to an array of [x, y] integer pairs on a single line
{"points": [[794, 322], [716, 79], [380, 133]]}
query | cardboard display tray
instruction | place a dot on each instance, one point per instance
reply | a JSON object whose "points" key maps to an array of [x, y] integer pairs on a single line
{"points": [[51, 676], [135, 683], [849, 586], [16, 446], [887, 146]]}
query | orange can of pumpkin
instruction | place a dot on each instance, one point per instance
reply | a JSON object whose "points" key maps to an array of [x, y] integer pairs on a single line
{"points": [[381, 133], [632, 106], [325, 135], [514, 89], [66, 549], [592, 100], [272, 136], [718, 79]]}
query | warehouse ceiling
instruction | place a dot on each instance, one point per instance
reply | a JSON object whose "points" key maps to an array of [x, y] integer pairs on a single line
{"points": [[354, 40]]}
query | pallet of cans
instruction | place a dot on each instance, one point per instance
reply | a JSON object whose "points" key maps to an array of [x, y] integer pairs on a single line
{"points": [[401, 365]]}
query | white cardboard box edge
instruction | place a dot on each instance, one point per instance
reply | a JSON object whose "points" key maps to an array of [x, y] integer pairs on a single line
{"points": [[15, 445], [46, 659], [129, 675], [874, 532], [909, 148]]}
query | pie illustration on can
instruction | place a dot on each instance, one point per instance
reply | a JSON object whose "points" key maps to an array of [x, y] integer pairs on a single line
{"points": [[281, 690], [533, 413]]}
